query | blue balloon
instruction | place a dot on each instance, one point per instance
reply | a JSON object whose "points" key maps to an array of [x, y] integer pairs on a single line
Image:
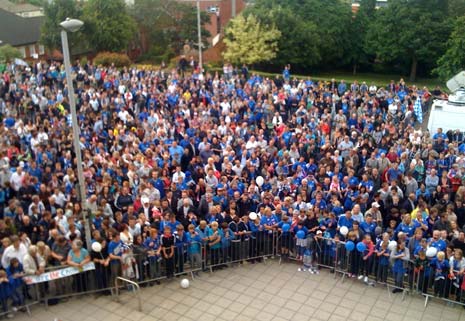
{"points": [[350, 246], [286, 227], [361, 247], [300, 234]]}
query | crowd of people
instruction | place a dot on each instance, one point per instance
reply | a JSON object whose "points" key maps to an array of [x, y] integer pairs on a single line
{"points": [[172, 160]]}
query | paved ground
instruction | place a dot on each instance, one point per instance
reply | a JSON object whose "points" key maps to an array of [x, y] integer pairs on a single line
{"points": [[254, 292]]}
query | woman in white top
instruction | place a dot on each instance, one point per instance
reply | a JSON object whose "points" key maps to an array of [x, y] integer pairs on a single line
{"points": [[125, 236]]}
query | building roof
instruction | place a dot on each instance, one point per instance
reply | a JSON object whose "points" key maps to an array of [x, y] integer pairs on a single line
{"points": [[17, 31], [18, 7]]}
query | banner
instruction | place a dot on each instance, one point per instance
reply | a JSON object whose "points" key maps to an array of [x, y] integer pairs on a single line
{"points": [[58, 274]]}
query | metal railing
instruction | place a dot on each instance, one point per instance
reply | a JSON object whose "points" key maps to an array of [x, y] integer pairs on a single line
{"points": [[313, 253], [136, 290]]}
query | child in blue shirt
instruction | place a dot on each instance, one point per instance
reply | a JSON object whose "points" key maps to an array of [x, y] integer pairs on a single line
{"points": [[180, 241], [5, 292], [301, 244], [440, 267], [285, 237], [399, 256], [195, 247], [152, 244], [383, 254], [15, 274], [214, 242]]}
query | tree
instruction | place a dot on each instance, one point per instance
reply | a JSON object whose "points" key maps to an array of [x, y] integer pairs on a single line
{"points": [[314, 32], [169, 24], [453, 61], [55, 12], [250, 42], [410, 31], [8, 53], [108, 25], [357, 53], [299, 41]]}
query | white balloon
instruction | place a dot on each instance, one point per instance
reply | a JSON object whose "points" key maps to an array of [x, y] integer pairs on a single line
{"points": [[259, 180], [431, 252], [184, 283], [344, 230], [253, 216], [392, 245], [96, 247]]}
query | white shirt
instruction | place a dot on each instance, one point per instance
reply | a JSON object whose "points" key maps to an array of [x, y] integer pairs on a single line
{"points": [[16, 180], [10, 252]]}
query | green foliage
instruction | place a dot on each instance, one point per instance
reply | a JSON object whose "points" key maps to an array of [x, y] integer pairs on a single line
{"points": [[314, 32], [169, 24], [55, 12], [299, 42], [9, 53], [356, 53], [250, 42], [109, 58], [156, 55], [453, 61], [410, 31], [109, 26]]}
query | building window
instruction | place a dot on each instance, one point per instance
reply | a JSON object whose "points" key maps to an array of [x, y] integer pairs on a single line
{"points": [[41, 50], [32, 50]]}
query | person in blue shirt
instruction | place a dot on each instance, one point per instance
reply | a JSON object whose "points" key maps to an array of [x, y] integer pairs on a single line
{"points": [[301, 243], [5, 292], [329, 223], [180, 254], [215, 236], [270, 223], [406, 226], [383, 254], [285, 236], [345, 220], [115, 253], [194, 251], [226, 242], [15, 274], [152, 244], [437, 242], [440, 268], [399, 256], [368, 226]]}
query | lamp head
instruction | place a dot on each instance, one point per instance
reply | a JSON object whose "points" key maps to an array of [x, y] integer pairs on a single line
{"points": [[71, 25]]}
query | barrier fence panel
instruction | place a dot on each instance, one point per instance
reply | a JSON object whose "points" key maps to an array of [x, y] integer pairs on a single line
{"points": [[235, 249], [19, 297], [388, 267], [434, 282]]}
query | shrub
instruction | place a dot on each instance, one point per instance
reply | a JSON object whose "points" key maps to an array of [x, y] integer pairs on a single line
{"points": [[108, 58]]}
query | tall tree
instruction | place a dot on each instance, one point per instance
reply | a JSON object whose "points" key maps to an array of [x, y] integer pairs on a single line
{"points": [[56, 11], [250, 42], [453, 61], [314, 32], [412, 31], [356, 53], [108, 24], [299, 43], [169, 24]]}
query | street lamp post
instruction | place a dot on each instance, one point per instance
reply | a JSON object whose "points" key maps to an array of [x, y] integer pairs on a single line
{"points": [[73, 25]]}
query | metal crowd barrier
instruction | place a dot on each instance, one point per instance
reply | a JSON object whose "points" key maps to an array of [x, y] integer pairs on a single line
{"points": [[313, 253], [250, 247], [131, 283]]}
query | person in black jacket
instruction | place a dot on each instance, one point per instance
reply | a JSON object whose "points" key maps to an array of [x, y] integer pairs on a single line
{"points": [[124, 200]]}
